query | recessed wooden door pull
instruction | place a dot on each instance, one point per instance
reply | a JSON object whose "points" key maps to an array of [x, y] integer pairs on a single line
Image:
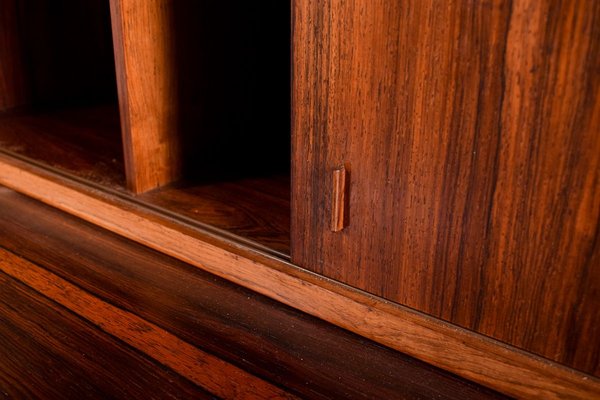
{"points": [[338, 200]]}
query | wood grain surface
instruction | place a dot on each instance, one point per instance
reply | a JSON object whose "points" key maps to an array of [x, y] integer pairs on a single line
{"points": [[147, 82], [204, 89], [257, 209], [338, 199], [83, 141], [152, 297], [471, 131], [462, 352], [48, 352], [207, 371]]}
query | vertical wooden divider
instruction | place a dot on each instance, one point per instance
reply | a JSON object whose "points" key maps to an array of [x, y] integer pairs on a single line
{"points": [[13, 89], [143, 39]]}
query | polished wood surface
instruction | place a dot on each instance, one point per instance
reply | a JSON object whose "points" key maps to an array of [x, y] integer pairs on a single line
{"points": [[208, 96], [83, 141], [48, 352], [471, 132], [146, 76], [176, 90], [338, 200], [447, 346], [257, 209], [57, 82], [205, 370], [169, 312], [485, 214]]}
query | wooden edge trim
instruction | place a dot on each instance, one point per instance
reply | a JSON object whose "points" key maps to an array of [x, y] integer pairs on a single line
{"points": [[209, 372], [465, 353]]}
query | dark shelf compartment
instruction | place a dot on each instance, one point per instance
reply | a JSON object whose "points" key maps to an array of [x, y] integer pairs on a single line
{"points": [[231, 71], [81, 141], [58, 105], [227, 113]]}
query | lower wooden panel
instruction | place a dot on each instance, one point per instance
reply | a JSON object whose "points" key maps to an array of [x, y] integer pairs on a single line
{"points": [[49, 353], [462, 352], [207, 371], [303, 354]]}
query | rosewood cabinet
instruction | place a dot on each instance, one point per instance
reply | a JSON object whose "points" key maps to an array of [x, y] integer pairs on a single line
{"points": [[470, 133], [423, 173]]}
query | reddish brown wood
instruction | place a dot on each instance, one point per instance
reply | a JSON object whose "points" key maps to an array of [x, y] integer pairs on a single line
{"points": [[257, 209], [83, 141], [207, 371], [48, 352], [338, 199], [472, 130], [302, 353], [208, 96], [447, 346], [147, 91], [56, 66]]}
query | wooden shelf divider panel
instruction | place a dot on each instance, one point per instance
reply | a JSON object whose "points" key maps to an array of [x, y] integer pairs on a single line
{"points": [[144, 57]]}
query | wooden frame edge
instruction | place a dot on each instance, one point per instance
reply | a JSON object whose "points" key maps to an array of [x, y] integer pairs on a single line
{"points": [[462, 352]]}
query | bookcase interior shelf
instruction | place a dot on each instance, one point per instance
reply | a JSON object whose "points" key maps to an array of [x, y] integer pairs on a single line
{"points": [[58, 97], [183, 105]]}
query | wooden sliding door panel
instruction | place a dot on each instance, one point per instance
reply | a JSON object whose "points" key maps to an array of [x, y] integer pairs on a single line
{"points": [[470, 135]]}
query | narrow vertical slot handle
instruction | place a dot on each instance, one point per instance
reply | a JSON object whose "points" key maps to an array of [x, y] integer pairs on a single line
{"points": [[338, 200]]}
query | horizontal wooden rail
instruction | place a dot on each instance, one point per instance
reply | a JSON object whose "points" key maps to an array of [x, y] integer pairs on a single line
{"points": [[462, 352]]}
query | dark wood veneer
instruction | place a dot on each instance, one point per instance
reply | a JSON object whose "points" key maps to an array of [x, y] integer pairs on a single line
{"points": [[469, 136], [447, 346], [254, 208], [472, 134], [47, 352], [209, 96], [302, 353], [84, 142]]}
